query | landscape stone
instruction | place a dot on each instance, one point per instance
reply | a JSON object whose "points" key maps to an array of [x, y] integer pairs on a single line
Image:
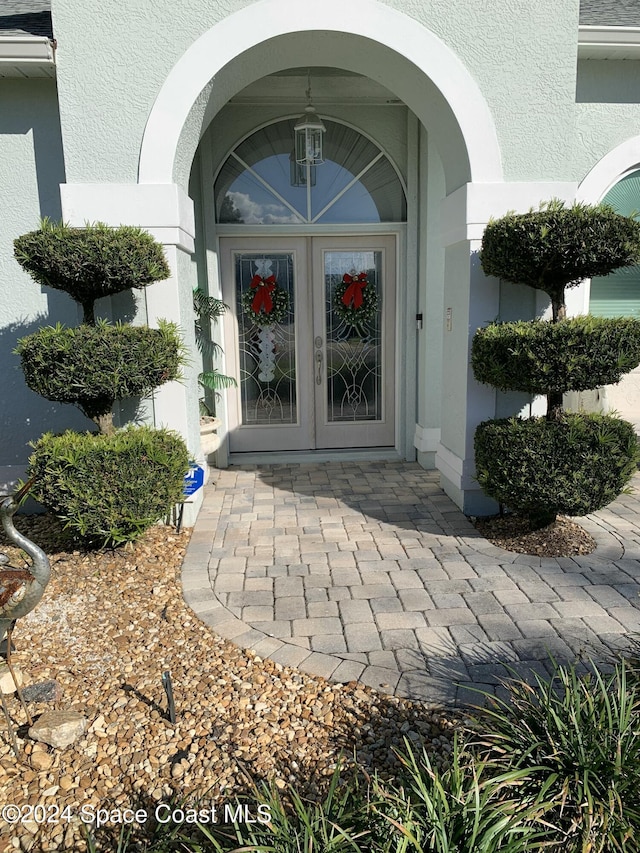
{"points": [[59, 728], [7, 684], [43, 691]]}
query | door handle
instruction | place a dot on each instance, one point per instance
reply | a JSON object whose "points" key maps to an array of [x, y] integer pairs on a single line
{"points": [[318, 367]]}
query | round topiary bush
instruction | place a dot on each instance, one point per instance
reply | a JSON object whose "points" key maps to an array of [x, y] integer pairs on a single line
{"points": [[93, 366], [81, 478], [574, 465], [558, 247], [571, 355], [91, 262]]}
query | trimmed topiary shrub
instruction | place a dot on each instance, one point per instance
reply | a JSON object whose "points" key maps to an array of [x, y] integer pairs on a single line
{"points": [[93, 366], [558, 247], [575, 465], [108, 489], [561, 463], [573, 354], [91, 262]]}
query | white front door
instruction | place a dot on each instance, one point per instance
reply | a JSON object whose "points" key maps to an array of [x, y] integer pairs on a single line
{"points": [[310, 338]]}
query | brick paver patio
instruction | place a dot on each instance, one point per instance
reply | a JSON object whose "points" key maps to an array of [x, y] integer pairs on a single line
{"points": [[368, 571]]}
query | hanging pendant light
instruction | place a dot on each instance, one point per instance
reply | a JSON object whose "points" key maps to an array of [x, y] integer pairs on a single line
{"points": [[308, 135]]}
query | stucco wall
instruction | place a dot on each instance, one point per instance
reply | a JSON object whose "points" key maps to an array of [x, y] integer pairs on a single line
{"points": [[31, 169], [113, 61], [523, 57], [599, 129]]}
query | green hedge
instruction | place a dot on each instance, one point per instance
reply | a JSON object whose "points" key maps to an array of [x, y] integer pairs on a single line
{"points": [[92, 262], [571, 355], [557, 247], [109, 489], [575, 465], [92, 366]]}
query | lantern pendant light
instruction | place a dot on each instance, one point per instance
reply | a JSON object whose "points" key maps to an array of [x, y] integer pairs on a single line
{"points": [[308, 134]]}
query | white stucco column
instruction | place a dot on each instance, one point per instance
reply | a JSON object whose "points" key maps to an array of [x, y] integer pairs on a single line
{"points": [[166, 212], [471, 300]]}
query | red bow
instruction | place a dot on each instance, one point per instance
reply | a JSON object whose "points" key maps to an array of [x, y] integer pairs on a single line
{"points": [[262, 298], [353, 293]]}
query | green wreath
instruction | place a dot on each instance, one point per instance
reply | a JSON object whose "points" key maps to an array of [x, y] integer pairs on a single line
{"points": [[355, 301], [265, 303]]}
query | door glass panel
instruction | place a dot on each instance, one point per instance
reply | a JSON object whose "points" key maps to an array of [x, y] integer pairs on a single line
{"points": [[259, 185], [353, 311], [266, 332], [249, 202]]}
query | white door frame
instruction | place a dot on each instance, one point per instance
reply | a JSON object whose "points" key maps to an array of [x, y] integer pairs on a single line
{"points": [[301, 436]]}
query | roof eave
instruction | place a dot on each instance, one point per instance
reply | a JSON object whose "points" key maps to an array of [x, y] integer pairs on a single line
{"points": [[27, 56], [600, 42]]}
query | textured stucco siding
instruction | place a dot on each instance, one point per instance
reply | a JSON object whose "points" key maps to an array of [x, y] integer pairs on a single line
{"points": [[600, 128], [523, 57], [31, 169], [113, 63]]}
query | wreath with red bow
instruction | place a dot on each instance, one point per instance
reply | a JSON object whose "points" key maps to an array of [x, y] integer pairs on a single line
{"points": [[355, 301], [265, 303]]}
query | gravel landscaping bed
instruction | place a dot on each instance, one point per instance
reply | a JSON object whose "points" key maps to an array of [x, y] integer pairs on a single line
{"points": [[109, 625]]}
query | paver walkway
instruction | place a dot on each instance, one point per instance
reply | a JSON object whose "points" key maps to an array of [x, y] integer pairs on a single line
{"points": [[368, 571]]}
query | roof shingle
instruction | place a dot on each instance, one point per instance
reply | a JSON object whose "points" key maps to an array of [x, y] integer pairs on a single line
{"points": [[610, 13], [26, 17]]}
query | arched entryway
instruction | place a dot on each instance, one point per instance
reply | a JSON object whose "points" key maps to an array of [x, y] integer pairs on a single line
{"points": [[449, 142], [311, 331], [452, 170]]}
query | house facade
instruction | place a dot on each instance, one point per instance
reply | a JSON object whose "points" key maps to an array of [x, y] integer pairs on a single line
{"points": [[437, 116]]}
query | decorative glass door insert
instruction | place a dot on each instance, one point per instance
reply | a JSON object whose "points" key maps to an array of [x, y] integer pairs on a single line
{"points": [[312, 325], [353, 309], [354, 320], [265, 302]]}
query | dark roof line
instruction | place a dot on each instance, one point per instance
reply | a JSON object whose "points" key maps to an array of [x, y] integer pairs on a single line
{"points": [[26, 18], [610, 13], [33, 17]]}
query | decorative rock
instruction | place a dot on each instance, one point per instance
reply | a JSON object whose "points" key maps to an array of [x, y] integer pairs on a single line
{"points": [[59, 728], [44, 691], [52, 791], [7, 685], [41, 760]]}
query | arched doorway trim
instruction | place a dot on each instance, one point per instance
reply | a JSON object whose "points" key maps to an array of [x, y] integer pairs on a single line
{"points": [[621, 160], [268, 19]]}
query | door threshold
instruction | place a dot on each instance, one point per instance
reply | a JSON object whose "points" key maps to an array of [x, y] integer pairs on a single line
{"points": [[302, 457]]}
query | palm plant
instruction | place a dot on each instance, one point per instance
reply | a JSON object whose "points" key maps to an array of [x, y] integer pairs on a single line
{"points": [[208, 309]]}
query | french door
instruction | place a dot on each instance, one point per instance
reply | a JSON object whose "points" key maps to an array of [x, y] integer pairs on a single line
{"points": [[310, 339]]}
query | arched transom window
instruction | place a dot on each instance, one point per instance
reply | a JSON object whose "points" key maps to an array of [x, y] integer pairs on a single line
{"points": [[261, 184]]}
